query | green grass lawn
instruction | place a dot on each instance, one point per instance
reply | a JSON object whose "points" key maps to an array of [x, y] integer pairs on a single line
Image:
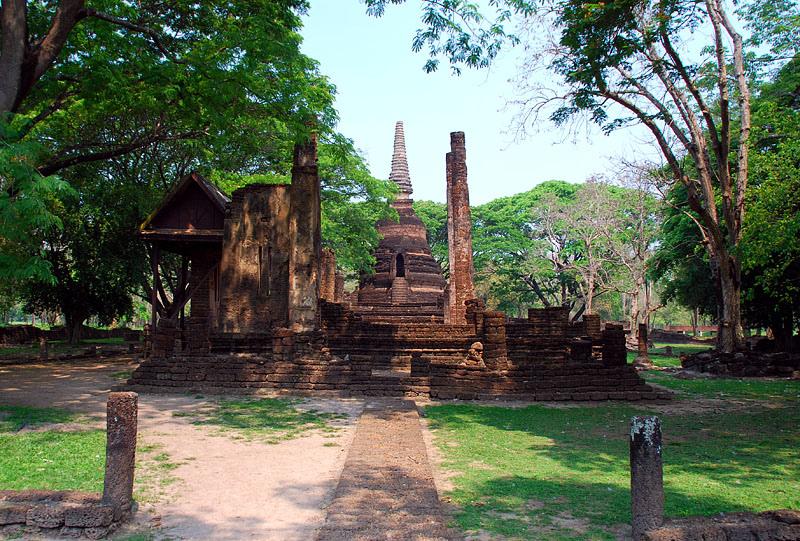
{"points": [[659, 358], [562, 472], [48, 459], [712, 387], [55, 347]]}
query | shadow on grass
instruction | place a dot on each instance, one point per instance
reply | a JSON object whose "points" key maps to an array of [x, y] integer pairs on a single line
{"points": [[717, 387], [518, 469], [270, 419], [15, 418]]}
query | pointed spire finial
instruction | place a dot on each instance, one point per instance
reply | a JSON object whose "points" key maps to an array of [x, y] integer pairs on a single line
{"points": [[399, 172]]}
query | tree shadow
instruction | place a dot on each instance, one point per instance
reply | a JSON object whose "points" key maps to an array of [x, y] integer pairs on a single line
{"points": [[576, 460]]}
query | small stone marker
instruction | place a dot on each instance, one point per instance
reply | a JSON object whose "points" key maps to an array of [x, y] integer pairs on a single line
{"points": [[647, 484], [44, 352], [121, 429]]}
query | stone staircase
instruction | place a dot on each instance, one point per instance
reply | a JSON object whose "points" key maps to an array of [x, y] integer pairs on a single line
{"points": [[399, 291]]}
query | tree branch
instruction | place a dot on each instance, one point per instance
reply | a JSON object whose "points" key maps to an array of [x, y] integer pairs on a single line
{"points": [[157, 136], [154, 35]]}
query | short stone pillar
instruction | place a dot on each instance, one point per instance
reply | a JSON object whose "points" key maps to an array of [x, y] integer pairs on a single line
{"points": [[474, 317], [338, 291], [121, 416], [642, 355], [647, 484], [593, 326], [44, 350]]}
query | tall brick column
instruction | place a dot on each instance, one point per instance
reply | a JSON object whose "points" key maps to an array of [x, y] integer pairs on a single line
{"points": [[121, 427], [459, 232], [305, 232]]}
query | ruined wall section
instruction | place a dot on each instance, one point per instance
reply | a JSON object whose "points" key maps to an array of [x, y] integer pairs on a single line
{"points": [[254, 269], [459, 232]]}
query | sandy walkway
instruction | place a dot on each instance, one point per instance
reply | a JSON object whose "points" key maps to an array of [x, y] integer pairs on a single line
{"points": [[225, 488]]}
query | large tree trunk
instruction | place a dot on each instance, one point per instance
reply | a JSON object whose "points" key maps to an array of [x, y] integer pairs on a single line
{"points": [[730, 336], [73, 325]]}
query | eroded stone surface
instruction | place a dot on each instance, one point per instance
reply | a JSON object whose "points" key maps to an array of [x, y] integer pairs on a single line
{"points": [[386, 490]]}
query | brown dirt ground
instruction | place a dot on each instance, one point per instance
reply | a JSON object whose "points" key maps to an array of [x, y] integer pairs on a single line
{"points": [[217, 487]]}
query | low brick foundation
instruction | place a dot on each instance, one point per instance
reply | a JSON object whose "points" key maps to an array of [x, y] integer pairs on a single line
{"points": [[783, 525], [67, 514], [487, 358]]}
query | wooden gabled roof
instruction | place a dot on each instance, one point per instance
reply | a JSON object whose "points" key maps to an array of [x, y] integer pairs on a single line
{"points": [[193, 210], [184, 195]]}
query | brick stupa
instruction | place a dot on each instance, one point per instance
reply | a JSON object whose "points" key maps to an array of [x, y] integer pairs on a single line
{"points": [[407, 283]]}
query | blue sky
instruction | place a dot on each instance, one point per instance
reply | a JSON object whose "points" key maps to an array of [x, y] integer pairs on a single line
{"points": [[380, 80]]}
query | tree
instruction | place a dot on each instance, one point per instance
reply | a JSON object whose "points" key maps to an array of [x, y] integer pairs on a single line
{"points": [[619, 63], [94, 257], [770, 251], [632, 233], [82, 84]]}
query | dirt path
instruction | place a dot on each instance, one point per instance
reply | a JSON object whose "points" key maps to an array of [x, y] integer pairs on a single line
{"points": [[222, 488], [386, 490]]}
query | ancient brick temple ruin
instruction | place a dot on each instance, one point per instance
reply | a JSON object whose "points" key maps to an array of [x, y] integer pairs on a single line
{"points": [[268, 307], [407, 284]]}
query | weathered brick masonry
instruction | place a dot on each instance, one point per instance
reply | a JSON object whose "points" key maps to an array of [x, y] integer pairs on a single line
{"points": [[276, 316]]}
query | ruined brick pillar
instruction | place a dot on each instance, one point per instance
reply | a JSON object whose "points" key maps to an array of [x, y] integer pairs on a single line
{"points": [[327, 276], [474, 316], [614, 350], [495, 351], [121, 427], [306, 233], [642, 356], [593, 326], [647, 476], [201, 280], [338, 291], [254, 269], [459, 233]]}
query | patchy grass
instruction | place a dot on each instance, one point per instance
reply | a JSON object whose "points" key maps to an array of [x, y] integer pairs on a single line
{"points": [[123, 375], [562, 472], [38, 451], [659, 358], [154, 473], [55, 347], [270, 420], [746, 388], [15, 418]]}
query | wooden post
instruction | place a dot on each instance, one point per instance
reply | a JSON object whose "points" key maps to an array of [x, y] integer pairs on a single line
{"points": [[155, 256]]}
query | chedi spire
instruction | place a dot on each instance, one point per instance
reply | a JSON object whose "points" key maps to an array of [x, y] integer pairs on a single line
{"points": [[399, 172]]}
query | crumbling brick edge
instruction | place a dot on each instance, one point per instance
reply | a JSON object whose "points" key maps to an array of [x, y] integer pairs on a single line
{"points": [[58, 513]]}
